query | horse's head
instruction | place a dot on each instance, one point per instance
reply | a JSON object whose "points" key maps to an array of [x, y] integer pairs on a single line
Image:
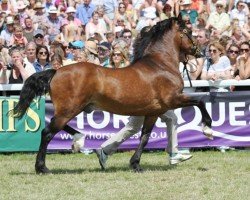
{"points": [[184, 38]]}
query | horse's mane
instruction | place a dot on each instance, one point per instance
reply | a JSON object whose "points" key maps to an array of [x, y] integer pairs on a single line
{"points": [[148, 35]]}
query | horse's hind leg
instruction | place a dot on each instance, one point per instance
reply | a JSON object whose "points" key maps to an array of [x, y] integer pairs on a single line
{"points": [[56, 124], [146, 131]]}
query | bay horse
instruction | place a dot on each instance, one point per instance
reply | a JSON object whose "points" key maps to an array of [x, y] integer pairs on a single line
{"points": [[149, 87]]}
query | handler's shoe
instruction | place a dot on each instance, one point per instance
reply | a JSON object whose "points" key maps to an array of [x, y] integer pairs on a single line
{"points": [[178, 158], [102, 158]]}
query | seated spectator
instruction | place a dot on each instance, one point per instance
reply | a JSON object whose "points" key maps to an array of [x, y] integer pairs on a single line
{"points": [[4, 53], [110, 8], [104, 54], [8, 31], [243, 65], [84, 11], [21, 12], [238, 36], [56, 62], [107, 24], [42, 55], [148, 8], [185, 9], [218, 67], [6, 7], [232, 53], [72, 32], [39, 16], [39, 38], [28, 31], [239, 13], [121, 16], [110, 37], [17, 71], [94, 26], [130, 12], [90, 52], [167, 11], [118, 58], [17, 38], [30, 52], [219, 21]]}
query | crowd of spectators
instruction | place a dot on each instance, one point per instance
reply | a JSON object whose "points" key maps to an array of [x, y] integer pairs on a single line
{"points": [[36, 35]]}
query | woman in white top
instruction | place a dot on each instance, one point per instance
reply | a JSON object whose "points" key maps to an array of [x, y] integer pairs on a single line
{"points": [[218, 66]]}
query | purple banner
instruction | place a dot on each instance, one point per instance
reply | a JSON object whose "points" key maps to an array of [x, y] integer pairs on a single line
{"points": [[229, 112]]}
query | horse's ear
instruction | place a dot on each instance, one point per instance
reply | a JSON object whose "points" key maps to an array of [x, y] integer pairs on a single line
{"points": [[179, 18]]}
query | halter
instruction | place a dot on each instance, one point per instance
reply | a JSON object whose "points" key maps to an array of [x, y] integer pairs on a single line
{"points": [[195, 50]]}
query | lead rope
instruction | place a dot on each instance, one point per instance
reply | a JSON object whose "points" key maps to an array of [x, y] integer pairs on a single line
{"points": [[185, 69]]}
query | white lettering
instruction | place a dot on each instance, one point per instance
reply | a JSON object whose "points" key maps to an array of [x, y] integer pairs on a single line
{"points": [[233, 114], [100, 124]]}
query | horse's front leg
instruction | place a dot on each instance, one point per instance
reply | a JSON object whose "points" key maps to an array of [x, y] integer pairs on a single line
{"points": [[146, 131], [196, 100]]}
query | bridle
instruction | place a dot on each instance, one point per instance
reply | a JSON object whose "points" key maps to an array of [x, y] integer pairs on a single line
{"points": [[195, 50]]}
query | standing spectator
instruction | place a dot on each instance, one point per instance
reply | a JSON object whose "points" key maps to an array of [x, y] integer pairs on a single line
{"points": [[104, 54], [30, 52], [54, 23], [28, 31], [17, 71], [84, 11], [110, 8], [17, 38], [219, 21], [218, 67], [8, 32], [39, 16], [42, 55]]}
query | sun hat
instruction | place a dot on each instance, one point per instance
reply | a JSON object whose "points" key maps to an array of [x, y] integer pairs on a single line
{"points": [[219, 2], [21, 5], [77, 44], [70, 9], [4, 1], [38, 5], [185, 2], [91, 46], [38, 32], [53, 10], [9, 20], [105, 45]]}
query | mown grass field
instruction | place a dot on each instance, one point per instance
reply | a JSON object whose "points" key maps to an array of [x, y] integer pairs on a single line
{"points": [[208, 175]]}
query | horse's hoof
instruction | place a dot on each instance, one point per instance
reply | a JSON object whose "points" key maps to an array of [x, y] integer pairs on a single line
{"points": [[208, 132], [42, 170], [136, 168]]}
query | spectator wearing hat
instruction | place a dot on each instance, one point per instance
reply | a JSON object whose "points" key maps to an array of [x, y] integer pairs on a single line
{"points": [[21, 12], [54, 23], [39, 37], [84, 11], [71, 12], [39, 16], [28, 31], [104, 54], [219, 21], [90, 52], [74, 52], [17, 71], [8, 31], [185, 9], [72, 32], [17, 38], [42, 55]]}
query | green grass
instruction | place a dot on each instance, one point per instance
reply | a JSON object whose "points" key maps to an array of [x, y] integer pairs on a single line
{"points": [[208, 175]]}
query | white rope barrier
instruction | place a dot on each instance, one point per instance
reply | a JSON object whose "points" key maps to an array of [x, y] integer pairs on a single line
{"points": [[195, 83]]}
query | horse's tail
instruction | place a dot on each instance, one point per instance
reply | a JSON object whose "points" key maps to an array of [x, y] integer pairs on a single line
{"points": [[35, 86]]}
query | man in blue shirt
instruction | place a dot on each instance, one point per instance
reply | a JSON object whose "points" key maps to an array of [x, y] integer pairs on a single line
{"points": [[84, 11]]}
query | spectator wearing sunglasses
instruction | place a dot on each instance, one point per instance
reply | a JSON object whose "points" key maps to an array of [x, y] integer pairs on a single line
{"points": [[218, 67], [233, 53], [243, 65], [42, 55], [39, 37]]}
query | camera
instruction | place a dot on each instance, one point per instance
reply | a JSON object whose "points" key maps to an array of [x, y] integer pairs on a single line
{"points": [[9, 66]]}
